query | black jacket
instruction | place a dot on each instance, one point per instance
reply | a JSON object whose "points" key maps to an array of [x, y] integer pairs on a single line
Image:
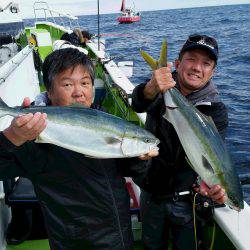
{"points": [[169, 172], [84, 200], [73, 39]]}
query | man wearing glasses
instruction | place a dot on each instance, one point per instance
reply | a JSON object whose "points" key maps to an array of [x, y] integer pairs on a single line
{"points": [[166, 202]]}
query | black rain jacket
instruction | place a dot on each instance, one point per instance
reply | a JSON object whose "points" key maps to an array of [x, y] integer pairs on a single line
{"points": [[169, 172], [84, 200]]}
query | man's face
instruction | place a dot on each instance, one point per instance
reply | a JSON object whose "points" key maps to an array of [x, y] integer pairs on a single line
{"points": [[194, 70], [72, 86]]}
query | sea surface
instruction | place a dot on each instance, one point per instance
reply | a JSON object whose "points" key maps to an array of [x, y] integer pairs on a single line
{"points": [[230, 25]]}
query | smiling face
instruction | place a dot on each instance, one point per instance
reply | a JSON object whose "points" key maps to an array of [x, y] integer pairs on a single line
{"points": [[195, 69], [73, 85]]}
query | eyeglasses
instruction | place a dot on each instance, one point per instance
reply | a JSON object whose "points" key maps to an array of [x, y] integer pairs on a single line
{"points": [[203, 39]]}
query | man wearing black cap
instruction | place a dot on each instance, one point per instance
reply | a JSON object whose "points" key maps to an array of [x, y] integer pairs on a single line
{"points": [[166, 201]]}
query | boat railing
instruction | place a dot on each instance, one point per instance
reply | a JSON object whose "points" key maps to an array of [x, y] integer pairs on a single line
{"points": [[54, 15], [8, 68]]}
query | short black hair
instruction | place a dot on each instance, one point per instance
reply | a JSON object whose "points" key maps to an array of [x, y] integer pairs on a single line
{"points": [[86, 34], [62, 59]]}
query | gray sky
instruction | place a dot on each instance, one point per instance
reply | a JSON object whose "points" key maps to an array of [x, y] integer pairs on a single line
{"points": [[85, 7]]}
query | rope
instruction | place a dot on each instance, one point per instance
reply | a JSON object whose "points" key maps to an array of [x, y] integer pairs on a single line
{"points": [[213, 237], [195, 232], [195, 229]]}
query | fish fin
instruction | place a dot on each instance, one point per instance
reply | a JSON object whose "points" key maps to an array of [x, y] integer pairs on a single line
{"points": [[3, 108], [91, 156], [207, 165], [169, 104], [149, 60], [155, 64], [208, 118], [168, 100], [163, 55], [112, 140], [3, 104], [211, 121], [189, 163], [126, 147]]}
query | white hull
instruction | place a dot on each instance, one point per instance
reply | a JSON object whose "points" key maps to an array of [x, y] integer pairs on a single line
{"points": [[16, 83]]}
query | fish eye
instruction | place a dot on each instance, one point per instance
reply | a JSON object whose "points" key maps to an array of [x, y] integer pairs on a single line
{"points": [[146, 140]]}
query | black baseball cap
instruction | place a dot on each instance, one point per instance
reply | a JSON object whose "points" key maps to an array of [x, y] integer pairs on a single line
{"points": [[207, 43]]}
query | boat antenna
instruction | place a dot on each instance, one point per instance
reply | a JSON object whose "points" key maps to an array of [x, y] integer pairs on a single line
{"points": [[98, 24]]}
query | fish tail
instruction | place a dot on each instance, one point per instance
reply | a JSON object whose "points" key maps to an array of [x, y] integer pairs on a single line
{"points": [[163, 55], [149, 60], [4, 108], [154, 64]]}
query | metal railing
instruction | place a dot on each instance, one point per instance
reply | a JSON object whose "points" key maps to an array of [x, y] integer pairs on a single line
{"points": [[49, 13], [14, 63]]}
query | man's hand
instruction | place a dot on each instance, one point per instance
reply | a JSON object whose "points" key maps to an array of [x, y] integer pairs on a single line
{"points": [[161, 81], [149, 155], [25, 127], [216, 192]]}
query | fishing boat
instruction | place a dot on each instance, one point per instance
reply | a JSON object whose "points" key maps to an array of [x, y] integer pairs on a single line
{"points": [[21, 57], [128, 15]]}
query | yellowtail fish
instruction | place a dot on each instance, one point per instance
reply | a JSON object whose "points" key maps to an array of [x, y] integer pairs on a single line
{"points": [[89, 131]]}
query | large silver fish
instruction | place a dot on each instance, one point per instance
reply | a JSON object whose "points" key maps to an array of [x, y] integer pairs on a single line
{"points": [[203, 146], [89, 131], [202, 143]]}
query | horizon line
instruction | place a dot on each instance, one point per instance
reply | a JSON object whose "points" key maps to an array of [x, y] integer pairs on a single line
{"points": [[178, 8]]}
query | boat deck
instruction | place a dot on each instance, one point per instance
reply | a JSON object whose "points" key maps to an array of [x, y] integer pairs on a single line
{"points": [[44, 245], [31, 244]]}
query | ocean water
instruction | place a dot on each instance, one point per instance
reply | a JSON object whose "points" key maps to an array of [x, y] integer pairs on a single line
{"points": [[230, 25]]}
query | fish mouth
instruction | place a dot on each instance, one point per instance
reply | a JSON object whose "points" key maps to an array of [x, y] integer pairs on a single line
{"points": [[237, 209], [154, 146], [157, 142], [235, 204]]}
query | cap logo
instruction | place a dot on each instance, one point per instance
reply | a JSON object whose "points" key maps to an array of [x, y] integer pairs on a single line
{"points": [[202, 42]]}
